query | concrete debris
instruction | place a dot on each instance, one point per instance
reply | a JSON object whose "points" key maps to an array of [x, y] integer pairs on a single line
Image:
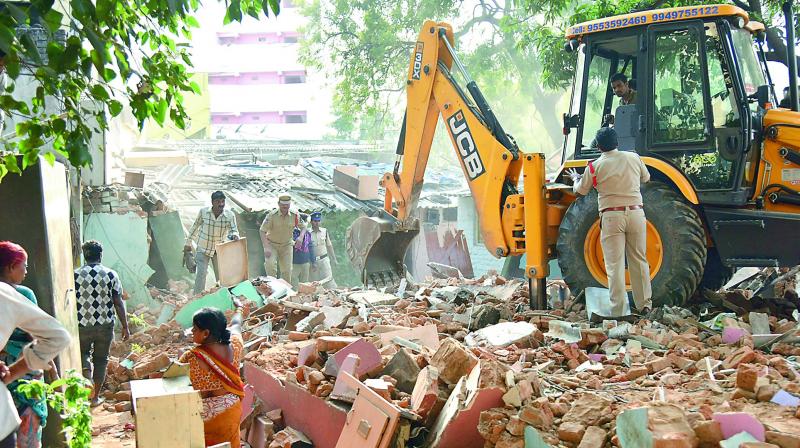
{"points": [[465, 363]]}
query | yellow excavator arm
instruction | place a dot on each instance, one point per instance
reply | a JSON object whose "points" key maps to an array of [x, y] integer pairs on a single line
{"points": [[511, 223]]}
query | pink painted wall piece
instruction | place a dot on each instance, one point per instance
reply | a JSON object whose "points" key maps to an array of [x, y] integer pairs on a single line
{"points": [[733, 423]]}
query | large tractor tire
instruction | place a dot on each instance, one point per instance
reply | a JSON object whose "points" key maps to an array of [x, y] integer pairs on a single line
{"points": [[676, 249], [716, 274]]}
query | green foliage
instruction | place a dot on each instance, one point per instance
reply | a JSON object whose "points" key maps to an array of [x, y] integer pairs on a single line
{"points": [[115, 52], [69, 396], [546, 36], [136, 348], [365, 48], [137, 321]]}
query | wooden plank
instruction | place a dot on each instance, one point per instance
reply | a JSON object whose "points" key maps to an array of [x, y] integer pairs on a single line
{"points": [[170, 421], [232, 262], [159, 387]]}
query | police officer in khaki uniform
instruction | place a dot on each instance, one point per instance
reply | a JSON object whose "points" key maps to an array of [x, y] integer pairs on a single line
{"points": [[323, 253], [617, 176], [276, 235]]}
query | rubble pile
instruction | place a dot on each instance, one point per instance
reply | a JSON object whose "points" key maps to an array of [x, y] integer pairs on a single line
{"points": [[472, 365], [121, 199], [467, 363]]}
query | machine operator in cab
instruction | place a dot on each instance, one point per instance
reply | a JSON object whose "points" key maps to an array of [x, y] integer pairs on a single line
{"points": [[624, 91]]}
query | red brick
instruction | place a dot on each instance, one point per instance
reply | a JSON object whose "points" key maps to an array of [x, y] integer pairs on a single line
{"points": [[657, 365], [123, 395], [674, 440], [592, 336], [783, 440], [636, 372], [571, 432], [426, 391], [742, 355], [298, 336], [453, 361], [515, 426], [509, 441], [747, 377], [594, 437], [334, 343], [708, 432], [766, 392], [538, 415], [491, 425]]}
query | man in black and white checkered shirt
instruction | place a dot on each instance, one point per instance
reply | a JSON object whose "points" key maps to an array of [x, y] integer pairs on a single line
{"points": [[99, 293]]}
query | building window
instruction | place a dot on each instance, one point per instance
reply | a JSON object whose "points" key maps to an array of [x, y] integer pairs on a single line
{"points": [[254, 78], [295, 118], [290, 39], [450, 214], [262, 39], [255, 118], [432, 216], [294, 79]]}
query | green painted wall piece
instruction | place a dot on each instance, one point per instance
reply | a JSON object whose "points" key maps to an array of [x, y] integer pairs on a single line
{"points": [[632, 429], [247, 289], [169, 239], [124, 240], [737, 440], [533, 439], [220, 299]]}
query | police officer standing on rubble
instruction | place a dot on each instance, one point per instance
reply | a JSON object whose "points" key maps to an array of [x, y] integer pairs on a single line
{"points": [[323, 253], [617, 177], [277, 236]]}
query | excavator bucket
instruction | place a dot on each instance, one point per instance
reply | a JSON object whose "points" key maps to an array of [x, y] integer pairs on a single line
{"points": [[377, 247]]}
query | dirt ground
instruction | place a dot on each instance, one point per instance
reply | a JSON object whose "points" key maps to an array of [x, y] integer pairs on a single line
{"points": [[108, 429]]}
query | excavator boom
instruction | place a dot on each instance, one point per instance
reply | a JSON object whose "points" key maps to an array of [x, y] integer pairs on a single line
{"points": [[511, 223]]}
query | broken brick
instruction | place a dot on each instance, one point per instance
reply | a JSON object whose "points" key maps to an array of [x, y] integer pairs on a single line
{"points": [[636, 372], [537, 414], [571, 432], [332, 344], [708, 432], [515, 426], [766, 392], [741, 355], [747, 377], [426, 391], [453, 361], [657, 365], [783, 440], [594, 437], [298, 336]]}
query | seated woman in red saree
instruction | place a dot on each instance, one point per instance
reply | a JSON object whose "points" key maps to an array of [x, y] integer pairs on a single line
{"points": [[214, 371]]}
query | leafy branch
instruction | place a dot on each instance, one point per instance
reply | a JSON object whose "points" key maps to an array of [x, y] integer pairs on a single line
{"points": [[88, 59], [69, 396]]}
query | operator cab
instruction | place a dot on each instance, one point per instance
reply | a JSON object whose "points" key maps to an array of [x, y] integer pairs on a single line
{"points": [[691, 109]]}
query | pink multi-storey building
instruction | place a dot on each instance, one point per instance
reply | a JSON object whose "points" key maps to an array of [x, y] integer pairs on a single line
{"points": [[257, 85]]}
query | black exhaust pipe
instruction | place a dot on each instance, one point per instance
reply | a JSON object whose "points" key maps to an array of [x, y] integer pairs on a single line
{"points": [[791, 56]]}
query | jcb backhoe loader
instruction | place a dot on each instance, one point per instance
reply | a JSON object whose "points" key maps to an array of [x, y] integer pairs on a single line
{"points": [[725, 164]]}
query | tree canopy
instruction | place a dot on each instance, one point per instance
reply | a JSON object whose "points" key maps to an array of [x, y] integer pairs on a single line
{"points": [[85, 59], [513, 49]]}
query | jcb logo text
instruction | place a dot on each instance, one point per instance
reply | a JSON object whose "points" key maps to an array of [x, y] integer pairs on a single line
{"points": [[415, 72], [466, 145]]}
